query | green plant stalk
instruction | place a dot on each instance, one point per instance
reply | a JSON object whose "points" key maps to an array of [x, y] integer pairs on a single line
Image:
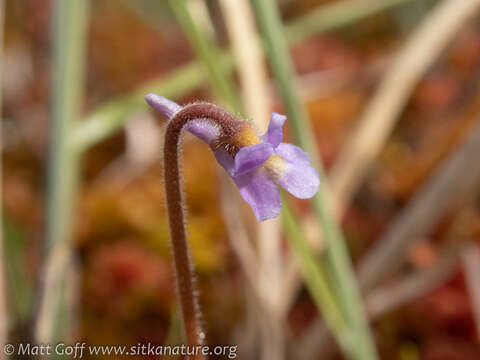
{"points": [[316, 279], [338, 262], [68, 38], [68, 35], [109, 118], [207, 54]]}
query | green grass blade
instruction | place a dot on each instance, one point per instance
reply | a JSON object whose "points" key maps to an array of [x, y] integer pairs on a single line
{"points": [[317, 282], [339, 263], [69, 40], [68, 35]]}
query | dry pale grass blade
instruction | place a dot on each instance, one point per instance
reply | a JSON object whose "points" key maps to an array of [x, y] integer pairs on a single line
{"points": [[73, 297], [420, 51], [199, 10], [246, 335], [455, 177], [248, 57], [262, 314], [252, 72], [58, 261], [271, 289], [238, 233], [471, 268]]}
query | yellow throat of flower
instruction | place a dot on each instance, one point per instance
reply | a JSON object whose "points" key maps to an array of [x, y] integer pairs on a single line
{"points": [[246, 136]]}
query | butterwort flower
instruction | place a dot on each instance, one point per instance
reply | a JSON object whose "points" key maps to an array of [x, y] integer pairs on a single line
{"points": [[257, 164]]}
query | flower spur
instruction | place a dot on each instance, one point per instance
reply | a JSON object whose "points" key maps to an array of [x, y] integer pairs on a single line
{"points": [[255, 163]]}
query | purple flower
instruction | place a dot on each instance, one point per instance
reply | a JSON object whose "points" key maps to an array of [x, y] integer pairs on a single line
{"points": [[258, 164]]}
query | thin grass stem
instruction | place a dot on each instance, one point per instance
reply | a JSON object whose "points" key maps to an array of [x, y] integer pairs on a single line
{"points": [[338, 262], [68, 39], [316, 279]]}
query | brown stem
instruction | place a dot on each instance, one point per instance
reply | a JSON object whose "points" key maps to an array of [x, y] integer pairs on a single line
{"points": [[228, 125]]}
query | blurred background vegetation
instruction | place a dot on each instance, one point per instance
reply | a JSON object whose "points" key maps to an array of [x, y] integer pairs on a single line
{"points": [[405, 72]]}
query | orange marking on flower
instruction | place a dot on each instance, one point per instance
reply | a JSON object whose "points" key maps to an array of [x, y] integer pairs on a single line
{"points": [[246, 136]]}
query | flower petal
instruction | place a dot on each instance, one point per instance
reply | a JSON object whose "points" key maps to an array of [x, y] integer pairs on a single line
{"points": [[250, 157], [162, 104], [293, 154], [261, 193], [204, 130], [226, 160], [300, 180], [274, 134]]}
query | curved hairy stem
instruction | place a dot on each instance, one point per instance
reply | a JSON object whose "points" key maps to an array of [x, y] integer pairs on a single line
{"points": [[228, 125]]}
